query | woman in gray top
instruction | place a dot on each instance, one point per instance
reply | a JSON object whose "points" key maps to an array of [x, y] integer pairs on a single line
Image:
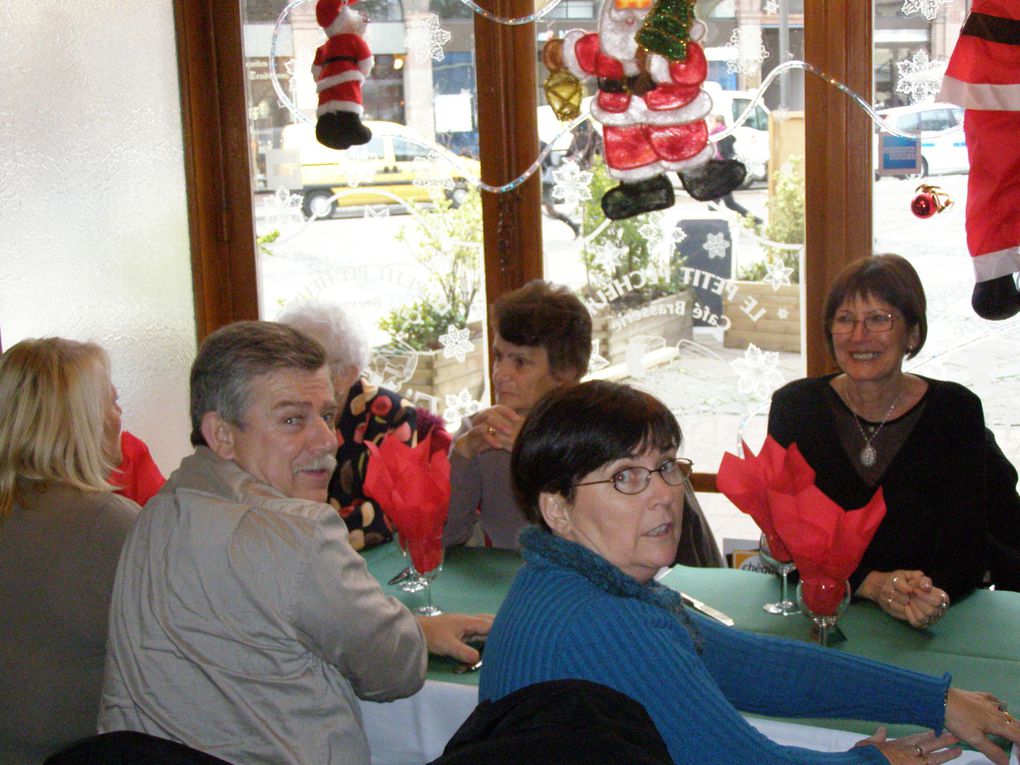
{"points": [[61, 530]]}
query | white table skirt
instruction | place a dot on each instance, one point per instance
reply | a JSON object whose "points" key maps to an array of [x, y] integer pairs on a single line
{"points": [[414, 731]]}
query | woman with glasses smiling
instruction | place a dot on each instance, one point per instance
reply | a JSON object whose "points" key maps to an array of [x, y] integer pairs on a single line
{"points": [[595, 467], [922, 441]]}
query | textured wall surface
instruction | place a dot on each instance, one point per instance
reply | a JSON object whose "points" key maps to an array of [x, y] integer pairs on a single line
{"points": [[92, 198]]}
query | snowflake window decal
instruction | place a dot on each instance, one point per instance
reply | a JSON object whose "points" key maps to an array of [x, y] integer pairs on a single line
{"points": [[572, 185], [433, 172], [746, 51], [920, 78], [679, 235], [716, 245], [608, 255], [426, 38], [927, 8], [777, 274], [757, 373], [456, 344], [459, 406], [772, 7], [354, 169]]}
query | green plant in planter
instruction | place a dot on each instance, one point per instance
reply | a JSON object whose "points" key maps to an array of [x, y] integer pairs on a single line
{"points": [[786, 222], [447, 241], [625, 235]]}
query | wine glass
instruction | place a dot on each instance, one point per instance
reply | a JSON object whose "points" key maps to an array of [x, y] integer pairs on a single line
{"points": [[785, 606], [412, 581], [427, 559], [823, 602]]}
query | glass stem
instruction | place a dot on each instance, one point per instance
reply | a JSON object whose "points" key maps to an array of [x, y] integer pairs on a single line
{"points": [[786, 594]]}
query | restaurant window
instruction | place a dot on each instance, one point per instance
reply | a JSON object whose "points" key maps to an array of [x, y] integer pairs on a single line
{"points": [[961, 346]]}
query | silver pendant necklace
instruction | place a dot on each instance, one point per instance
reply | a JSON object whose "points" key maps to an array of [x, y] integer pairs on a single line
{"points": [[868, 455]]}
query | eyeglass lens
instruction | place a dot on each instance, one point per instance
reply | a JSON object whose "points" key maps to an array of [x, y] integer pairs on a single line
{"points": [[634, 480], [844, 324]]}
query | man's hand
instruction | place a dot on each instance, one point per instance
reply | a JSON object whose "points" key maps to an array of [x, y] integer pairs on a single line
{"points": [[493, 428], [445, 634]]}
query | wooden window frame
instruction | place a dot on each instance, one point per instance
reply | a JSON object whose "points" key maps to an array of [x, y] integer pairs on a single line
{"points": [[838, 40]]}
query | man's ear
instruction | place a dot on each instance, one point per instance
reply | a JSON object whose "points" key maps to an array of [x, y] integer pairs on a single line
{"points": [[554, 512], [218, 434]]}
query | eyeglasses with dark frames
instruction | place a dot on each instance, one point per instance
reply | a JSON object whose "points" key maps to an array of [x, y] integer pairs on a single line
{"points": [[845, 323], [635, 479]]}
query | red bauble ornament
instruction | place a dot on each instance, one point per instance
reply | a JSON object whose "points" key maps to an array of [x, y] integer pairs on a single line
{"points": [[929, 200], [923, 205]]}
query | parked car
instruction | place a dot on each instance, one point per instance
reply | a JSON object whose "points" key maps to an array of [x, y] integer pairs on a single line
{"points": [[940, 127], [390, 163], [752, 137]]}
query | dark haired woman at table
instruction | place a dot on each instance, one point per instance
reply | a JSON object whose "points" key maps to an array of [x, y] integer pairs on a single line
{"points": [[924, 442], [61, 531], [596, 467]]}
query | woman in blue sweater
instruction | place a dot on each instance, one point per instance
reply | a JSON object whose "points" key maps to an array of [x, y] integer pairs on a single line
{"points": [[595, 467]]}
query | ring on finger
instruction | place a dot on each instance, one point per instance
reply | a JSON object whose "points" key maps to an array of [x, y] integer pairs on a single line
{"points": [[888, 600], [491, 430], [1009, 718], [895, 579], [919, 750]]}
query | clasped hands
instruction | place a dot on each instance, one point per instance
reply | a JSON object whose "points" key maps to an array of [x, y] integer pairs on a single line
{"points": [[493, 428], [906, 595]]}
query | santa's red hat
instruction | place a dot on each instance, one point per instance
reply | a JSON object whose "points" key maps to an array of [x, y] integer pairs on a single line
{"points": [[326, 11]]}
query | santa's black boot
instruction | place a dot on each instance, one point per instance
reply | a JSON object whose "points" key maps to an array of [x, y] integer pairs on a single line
{"points": [[341, 130], [713, 179], [996, 299], [630, 199]]}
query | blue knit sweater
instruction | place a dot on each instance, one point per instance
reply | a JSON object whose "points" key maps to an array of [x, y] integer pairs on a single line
{"points": [[570, 614]]}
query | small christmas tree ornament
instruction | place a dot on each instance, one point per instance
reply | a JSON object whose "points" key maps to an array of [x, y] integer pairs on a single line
{"points": [[563, 93], [930, 200], [667, 29]]}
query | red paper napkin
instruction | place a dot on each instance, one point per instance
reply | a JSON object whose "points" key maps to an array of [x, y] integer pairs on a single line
{"points": [[748, 482], [412, 486], [827, 541]]}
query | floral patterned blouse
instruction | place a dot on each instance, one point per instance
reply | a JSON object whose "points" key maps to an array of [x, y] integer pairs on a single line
{"points": [[371, 414]]}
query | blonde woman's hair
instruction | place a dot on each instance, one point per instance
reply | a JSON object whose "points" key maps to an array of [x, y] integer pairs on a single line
{"points": [[53, 395]]}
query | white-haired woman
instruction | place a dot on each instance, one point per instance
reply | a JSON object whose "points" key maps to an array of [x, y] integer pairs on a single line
{"points": [[368, 413], [61, 531]]}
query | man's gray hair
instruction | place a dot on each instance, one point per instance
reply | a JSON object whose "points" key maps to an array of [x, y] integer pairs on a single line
{"points": [[233, 356], [335, 329]]}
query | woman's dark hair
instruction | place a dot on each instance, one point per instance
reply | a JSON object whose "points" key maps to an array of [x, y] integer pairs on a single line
{"points": [[578, 429], [546, 315], [889, 278]]}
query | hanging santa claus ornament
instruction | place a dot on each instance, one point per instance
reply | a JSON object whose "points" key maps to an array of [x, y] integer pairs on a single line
{"points": [[930, 200], [983, 76], [649, 68], [341, 64]]}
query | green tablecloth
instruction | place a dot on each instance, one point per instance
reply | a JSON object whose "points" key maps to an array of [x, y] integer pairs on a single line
{"points": [[977, 641]]}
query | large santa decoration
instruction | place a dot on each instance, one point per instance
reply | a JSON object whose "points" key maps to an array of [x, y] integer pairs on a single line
{"points": [[983, 76], [340, 67], [649, 68]]}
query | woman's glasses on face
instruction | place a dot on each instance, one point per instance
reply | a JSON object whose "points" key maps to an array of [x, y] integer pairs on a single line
{"points": [[634, 480], [844, 323]]}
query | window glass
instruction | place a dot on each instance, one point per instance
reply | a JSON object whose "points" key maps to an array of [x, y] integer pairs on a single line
{"points": [[700, 301], [389, 228], [911, 52]]}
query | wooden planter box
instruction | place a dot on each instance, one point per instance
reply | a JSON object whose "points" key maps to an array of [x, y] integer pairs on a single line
{"points": [[438, 376], [763, 326], [668, 317]]}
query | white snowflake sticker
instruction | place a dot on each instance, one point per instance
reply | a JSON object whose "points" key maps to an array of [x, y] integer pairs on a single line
{"points": [[783, 313], [426, 39], [777, 274], [596, 362], [679, 235], [716, 245], [459, 406], [927, 8], [746, 51], [772, 7], [571, 184], [456, 344], [919, 78], [607, 255], [757, 373], [355, 169]]}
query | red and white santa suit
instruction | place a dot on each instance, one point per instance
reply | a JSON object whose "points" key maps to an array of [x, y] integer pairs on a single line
{"points": [[342, 63], [661, 130], [983, 76]]}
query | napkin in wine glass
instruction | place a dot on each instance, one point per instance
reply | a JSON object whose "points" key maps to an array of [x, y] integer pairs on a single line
{"points": [[750, 481], [826, 541], [412, 486]]}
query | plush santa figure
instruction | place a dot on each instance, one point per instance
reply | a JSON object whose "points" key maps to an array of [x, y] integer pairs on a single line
{"points": [[339, 68], [651, 107], [983, 76]]}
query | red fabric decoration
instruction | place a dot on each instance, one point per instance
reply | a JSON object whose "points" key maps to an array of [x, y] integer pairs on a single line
{"points": [[412, 486], [137, 477]]}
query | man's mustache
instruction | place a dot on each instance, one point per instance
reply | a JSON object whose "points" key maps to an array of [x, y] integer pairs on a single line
{"points": [[325, 462]]}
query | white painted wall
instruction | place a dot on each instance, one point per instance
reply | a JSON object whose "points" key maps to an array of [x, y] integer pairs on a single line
{"points": [[93, 220]]}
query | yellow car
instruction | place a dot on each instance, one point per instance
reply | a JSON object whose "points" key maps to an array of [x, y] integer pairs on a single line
{"points": [[381, 172]]}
